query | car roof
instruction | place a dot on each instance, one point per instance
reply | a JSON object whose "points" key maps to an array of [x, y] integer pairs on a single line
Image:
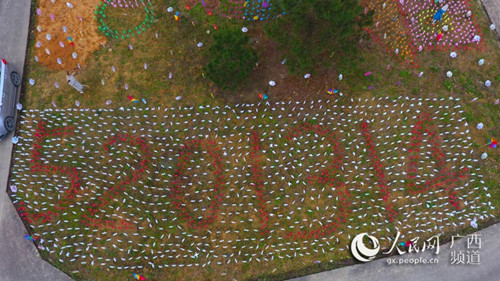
{"points": [[3, 68]]}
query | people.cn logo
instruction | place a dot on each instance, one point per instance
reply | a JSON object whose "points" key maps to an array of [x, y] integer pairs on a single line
{"points": [[359, 249]]}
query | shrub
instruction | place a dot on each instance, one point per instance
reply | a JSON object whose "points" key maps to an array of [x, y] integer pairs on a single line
{"points": [[231, 59], [313, 29]]}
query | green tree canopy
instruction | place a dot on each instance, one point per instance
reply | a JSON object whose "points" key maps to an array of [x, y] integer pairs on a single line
{"points": [[231, 58], [313, 29]]}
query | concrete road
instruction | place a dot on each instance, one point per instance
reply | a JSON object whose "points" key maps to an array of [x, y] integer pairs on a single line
{"points": [[493, 9], [19, 260], [488, 268]]}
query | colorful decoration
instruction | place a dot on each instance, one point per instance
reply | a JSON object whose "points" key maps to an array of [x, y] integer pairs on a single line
{"points": [[439, 35], [125, 3], [493, 143], [237, 9], [132, 99], [333, 91], [139, 277], [415, 26], [100, 16], [30, 238], [258, 180], [406, 244], [439, 14]]}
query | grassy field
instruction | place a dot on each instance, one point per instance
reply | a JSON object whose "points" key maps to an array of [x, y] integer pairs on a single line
{"points": [[175, 52], [288, 185], [226, 190]]}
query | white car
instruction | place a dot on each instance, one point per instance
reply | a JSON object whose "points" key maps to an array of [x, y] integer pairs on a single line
{"points": [[10, 81]]}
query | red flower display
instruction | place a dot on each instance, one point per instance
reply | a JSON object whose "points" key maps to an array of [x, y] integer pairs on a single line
{"points": [[445, 178], [328, 178], [71, 173], [42, 132], [379, 171], [176, 192], [116, 190], [258, 183]]}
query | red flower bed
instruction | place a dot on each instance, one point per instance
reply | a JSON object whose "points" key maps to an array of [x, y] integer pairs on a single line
{"points": [[445, 178], [379, 171], [71, 172], [326, 177], [115, 191], [423, 128], [41, 133], [186, 154], [258, 183]]}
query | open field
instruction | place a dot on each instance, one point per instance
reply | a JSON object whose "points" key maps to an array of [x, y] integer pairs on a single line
{"points": [[228, 190]]}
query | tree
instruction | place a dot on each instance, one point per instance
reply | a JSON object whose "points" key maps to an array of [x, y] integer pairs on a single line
{"points": [[311, 30], [231, 58]]}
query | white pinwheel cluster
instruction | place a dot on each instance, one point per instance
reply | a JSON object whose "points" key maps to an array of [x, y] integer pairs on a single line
{"points": [[283, 170]]}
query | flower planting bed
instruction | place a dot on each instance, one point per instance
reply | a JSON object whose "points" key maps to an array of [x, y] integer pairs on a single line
{"points": [[406, 28], [252, 10], [167, 189]]}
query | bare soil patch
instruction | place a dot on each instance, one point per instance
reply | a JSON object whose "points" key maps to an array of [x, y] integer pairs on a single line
{"points": [[53, 17]]}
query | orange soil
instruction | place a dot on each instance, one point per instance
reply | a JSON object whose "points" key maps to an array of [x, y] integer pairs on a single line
{"points": [[81, 27]]}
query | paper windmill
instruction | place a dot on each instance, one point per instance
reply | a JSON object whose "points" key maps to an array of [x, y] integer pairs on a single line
{"points": [[333, 91], [493, 143], [139, 277], [132, 99]]}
